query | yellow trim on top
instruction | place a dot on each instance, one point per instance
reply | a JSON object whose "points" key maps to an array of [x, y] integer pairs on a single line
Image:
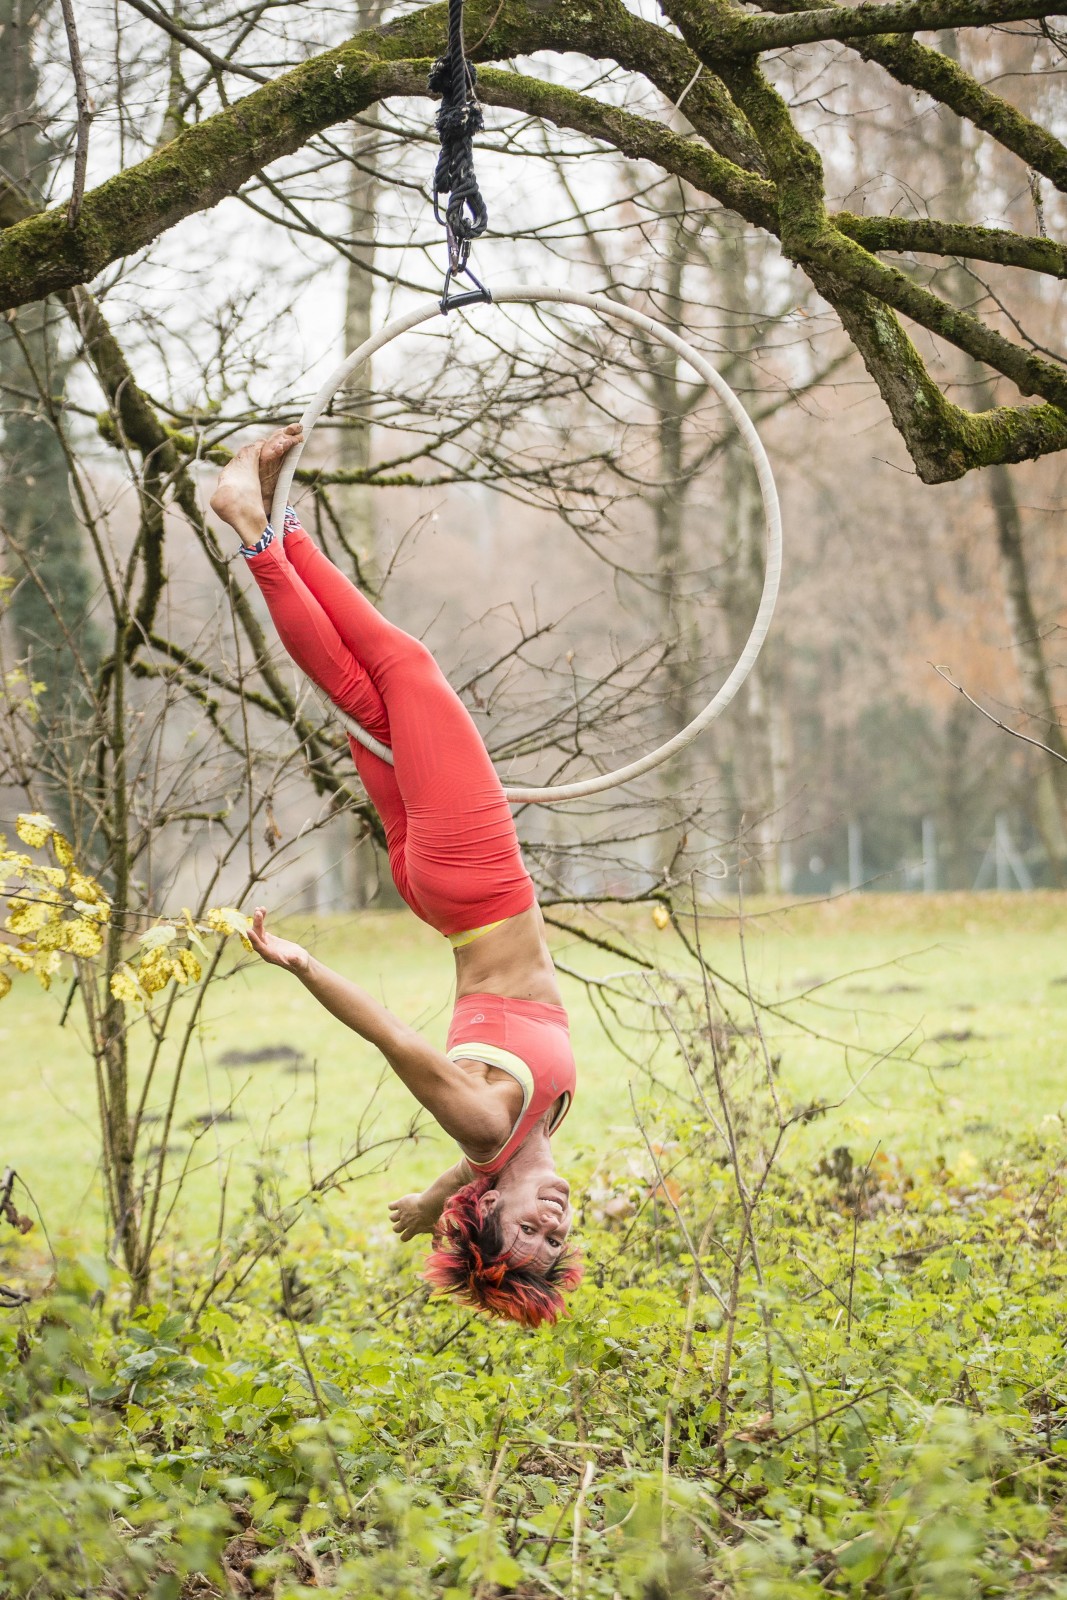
{"points": [[494, 1056], [565, 1096], [458, 940]]}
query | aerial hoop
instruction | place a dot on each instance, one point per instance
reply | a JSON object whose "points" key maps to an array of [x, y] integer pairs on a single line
{"points": [[608, 311]]}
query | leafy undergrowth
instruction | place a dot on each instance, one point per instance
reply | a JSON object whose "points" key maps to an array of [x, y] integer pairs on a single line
{"points": [[893, 1420]]}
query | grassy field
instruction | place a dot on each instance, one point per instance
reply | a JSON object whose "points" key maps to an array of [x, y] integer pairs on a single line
{"points": [[967, 993], [856, 1389]]}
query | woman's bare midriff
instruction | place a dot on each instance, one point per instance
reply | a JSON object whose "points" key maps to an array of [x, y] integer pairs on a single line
{"points": [[513, 961]]}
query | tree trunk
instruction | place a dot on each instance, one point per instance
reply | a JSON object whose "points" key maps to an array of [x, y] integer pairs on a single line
{"points": [[1040, 703], [364, 873], [673, 618], [761, 735], [670, 501], [1023, 622], [55, 586]]}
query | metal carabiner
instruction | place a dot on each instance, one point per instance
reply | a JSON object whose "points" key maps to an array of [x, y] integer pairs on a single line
{"points": [[465, 297], [458, 267], [458, 250]]}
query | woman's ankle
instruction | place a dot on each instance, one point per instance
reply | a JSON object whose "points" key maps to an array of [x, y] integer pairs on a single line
{"points": [[267, 537]]}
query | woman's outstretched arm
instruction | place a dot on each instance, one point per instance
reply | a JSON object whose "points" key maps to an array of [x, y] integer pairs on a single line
{"points": [[458, 1104], [420, 1213]]}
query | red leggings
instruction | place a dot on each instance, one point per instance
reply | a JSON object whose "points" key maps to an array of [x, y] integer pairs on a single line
{"points": [[453, 850]]}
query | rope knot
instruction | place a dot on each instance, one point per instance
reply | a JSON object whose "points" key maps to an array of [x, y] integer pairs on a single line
{"points": [[458, 119], [440, 79], [456, 124]]}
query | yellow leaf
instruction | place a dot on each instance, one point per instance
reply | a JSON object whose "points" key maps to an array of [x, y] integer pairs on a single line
{"points": [[64, 850], [100, 912], [661, 917], [12, 864], [83, 938], [45, 965], [154, 971], [82, 887], [55, 877], [193, 969], [51, 937], [225, 919], [27, 916], [5, 984], [124, 986], [34, 828]]}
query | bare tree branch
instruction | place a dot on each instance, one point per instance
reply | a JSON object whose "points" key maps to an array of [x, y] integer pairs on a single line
{"points": [[85, 113], [944, 673]]}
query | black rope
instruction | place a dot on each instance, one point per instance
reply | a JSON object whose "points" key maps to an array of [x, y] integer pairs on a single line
{"points": [[459, 118]]}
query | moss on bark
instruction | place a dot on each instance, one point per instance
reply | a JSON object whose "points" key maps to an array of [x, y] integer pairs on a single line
{"points": [[748, 155], [728, 34], [944, 441], [936, 74], [191, 173], [930, 236]]}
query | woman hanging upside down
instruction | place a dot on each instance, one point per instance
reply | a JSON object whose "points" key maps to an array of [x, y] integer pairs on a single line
{"points": [[499, 1217]]}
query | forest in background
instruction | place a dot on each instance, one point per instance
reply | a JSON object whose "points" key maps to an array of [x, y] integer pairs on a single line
{"points": [[819, 1344]]}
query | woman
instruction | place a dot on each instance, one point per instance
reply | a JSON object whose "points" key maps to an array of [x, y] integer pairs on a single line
{"points": [[499, 1217]]}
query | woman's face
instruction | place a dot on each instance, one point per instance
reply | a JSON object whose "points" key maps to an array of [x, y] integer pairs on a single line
{"points": [[535, 1215]]}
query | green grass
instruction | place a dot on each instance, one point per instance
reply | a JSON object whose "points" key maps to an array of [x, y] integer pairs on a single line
{"points": [[881, 973], [894, 1419]]}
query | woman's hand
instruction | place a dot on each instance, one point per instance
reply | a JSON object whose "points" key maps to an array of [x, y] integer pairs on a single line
{"points": [[409, 1216], [279, 952]]}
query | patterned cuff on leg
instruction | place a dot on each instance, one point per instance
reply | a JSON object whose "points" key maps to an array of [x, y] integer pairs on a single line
{"points": [[291, 521], [250, 550]]}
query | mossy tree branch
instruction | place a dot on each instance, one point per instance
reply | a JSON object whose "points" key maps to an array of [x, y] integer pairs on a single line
{"points": [[931, 236], [202, 166], [745, 152], [810, 237], [727, 34], [206, 163], [944, 441], [917, 66]]}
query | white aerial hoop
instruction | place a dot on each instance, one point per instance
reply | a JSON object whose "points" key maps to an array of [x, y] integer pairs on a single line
{"points": [[609, 311]]}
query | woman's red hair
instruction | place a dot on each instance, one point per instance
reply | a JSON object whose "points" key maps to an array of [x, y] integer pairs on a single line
{"points": [[468, 1260]]}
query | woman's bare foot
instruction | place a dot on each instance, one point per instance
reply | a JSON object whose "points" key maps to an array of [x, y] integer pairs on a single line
{"points": [[238, 499], [274, 451], [246, 483]]}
